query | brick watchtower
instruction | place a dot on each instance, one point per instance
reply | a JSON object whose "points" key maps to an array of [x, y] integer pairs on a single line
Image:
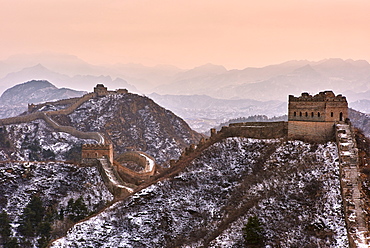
{"points": [[94, 151], [312, 118]]}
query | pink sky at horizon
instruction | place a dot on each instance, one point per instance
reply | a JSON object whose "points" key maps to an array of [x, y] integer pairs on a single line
{"points": [[236, 34]]}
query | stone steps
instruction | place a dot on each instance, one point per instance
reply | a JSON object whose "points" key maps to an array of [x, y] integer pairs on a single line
{"points": [[351, 188]]}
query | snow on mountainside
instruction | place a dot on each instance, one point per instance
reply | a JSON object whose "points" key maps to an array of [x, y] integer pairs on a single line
{"points": [[36, 141], [36, 91], [134, 122], [360, 121], [15, 99], [292, 187], [54, 182], [131, 121]]}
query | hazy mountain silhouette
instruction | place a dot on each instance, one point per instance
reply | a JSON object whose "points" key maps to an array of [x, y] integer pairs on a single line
{"points": [[78, 82], [273, 82]]}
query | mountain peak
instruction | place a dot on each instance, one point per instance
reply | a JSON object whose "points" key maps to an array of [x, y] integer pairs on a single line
{"points": [[35, 91], [306, 70], [210, 68]]}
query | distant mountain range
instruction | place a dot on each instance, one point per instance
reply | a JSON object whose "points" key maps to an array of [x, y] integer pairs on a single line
{"points": [[275, 82], [80, 82], [206, 95], [203, 112]]}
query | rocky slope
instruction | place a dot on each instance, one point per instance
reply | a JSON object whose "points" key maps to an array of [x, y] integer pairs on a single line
{"points": [[134, 122], [56, 184], [36, 141], [360, 121], [130, 121], [292, 187]]}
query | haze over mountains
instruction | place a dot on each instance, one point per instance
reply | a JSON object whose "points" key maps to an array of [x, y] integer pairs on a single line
{"points": [[292, 77], [208, 93]]}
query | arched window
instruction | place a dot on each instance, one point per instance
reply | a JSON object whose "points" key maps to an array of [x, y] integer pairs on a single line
{"points": [[331, 114], [295, 113], [311, 114], [300, 114], [318, 114], [340, 116], [306, 114]]}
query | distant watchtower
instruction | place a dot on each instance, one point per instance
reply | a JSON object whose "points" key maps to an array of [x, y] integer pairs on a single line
{"points": [[312, 118], [100, 90]]}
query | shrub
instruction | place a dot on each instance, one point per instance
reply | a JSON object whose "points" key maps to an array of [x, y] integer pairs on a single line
{"points": [[253, 233], [76, 210], [4, 228]]}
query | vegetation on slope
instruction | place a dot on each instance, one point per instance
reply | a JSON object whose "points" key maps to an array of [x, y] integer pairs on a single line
{"points": [[293, 188]]}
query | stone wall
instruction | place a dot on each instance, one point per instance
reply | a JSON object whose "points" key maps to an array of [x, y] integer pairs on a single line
{"points": [[257, 130], [131, 176], [319, 132], [21, 119], [32, 107], [139, 158]]}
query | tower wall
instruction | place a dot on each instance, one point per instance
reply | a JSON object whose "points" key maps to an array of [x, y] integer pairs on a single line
{"points": [[312, 118]]}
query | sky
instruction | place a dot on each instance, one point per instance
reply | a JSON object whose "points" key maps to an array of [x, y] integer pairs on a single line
{"points": [[233, 33]]}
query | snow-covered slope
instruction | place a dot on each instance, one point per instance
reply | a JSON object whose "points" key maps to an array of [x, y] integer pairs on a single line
{"points": [[15, 99], [54, 182], [134, 122], [36, 141], [292, 187]]}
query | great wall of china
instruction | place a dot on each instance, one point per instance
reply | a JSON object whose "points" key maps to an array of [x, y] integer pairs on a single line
{"points": [[319, 118]]}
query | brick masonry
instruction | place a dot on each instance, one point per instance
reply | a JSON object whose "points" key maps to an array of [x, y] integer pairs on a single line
{"points": [[312, 118]]}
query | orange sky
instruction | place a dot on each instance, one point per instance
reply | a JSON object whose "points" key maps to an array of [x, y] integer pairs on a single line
{"points": [[234, 33]]}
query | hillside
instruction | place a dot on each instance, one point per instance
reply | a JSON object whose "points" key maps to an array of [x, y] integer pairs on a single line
{"points": [[130, 121], [134, 122], [360, 121], [205, 199], [14, 100], [292, 187], [55, 183]]}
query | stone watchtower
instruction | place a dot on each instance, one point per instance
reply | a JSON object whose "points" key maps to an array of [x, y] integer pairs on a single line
{"points": [[100, 90], [94, 151], [312, 118]]}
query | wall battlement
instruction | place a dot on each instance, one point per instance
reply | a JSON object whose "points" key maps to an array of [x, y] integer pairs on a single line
{"points": [[101, 90], [321, 97]]}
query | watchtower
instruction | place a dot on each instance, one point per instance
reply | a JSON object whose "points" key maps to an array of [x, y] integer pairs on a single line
{"points": [[94, 151], [101, 90], [312, 118]]}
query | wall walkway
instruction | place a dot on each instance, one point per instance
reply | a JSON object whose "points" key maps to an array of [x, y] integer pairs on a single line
{"points": [[47, 117], [112, 180], [355, 216]]}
